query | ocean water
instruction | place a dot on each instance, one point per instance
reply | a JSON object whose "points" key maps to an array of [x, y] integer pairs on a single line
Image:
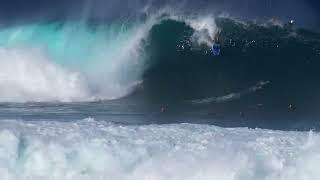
{"points": [[143, 98]]}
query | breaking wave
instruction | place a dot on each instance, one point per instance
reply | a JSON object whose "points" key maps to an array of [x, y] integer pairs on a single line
{"points": [[163, 57], [69, 61]]}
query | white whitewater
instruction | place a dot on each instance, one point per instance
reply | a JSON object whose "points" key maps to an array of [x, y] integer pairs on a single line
{"points": [[70, 62], [27, 75], [88, 149]]}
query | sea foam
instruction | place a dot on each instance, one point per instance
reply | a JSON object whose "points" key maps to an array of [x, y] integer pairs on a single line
{"points": [[89, 149], [28, 75]]}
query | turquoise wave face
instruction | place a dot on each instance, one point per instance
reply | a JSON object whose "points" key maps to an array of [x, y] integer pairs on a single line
{"points": [[72, 44]]}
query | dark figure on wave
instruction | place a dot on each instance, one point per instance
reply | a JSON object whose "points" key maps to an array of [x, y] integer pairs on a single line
{"points": [[216, 47]]}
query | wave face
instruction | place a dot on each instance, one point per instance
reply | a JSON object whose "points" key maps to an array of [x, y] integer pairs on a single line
{"points": [[89, 149], [284, 59]]}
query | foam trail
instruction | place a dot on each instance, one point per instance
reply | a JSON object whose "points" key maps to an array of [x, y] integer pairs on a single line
{"points": [[89, 149], [232, 96]]}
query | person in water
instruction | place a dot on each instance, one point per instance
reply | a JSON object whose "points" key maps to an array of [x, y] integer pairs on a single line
{"points": [[216, 47]]}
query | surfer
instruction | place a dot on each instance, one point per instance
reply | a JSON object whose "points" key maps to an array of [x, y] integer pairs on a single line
{"points": [[216, 47]]}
